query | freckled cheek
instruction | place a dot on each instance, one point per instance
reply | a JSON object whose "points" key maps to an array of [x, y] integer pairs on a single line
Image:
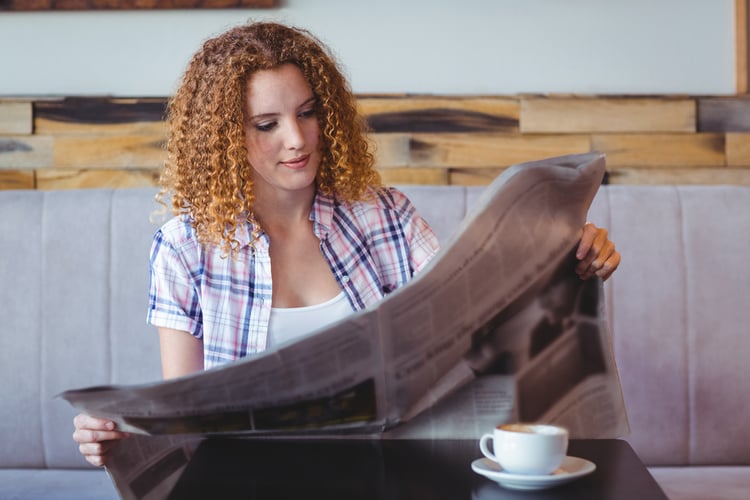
{"points": [[313, 137], [258, 149]]}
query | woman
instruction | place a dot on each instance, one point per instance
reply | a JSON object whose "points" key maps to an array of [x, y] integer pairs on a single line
{"points": [[282, 225]]}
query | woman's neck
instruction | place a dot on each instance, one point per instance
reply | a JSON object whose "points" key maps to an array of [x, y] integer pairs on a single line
{"points": [[281, 209]]}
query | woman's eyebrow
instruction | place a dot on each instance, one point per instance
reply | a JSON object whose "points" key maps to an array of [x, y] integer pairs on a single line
{"points": [[311, 100]]}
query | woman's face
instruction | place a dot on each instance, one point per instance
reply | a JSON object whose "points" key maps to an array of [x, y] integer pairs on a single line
{"points": [[282, 134]]}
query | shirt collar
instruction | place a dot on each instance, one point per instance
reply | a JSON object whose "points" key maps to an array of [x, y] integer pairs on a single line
{"points": [[243, 233], [322, 214]]}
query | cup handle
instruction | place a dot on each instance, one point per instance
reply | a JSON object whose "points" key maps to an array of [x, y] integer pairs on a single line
{"points": [[483, 446]]}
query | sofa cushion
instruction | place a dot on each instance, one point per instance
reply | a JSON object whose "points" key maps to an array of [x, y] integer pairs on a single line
{"points": [[56, 484], [704, 482]]}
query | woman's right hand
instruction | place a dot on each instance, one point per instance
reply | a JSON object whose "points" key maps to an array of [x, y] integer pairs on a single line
{"points": [[96, 437]]}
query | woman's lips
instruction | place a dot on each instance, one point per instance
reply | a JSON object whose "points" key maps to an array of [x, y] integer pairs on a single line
{"points": [[297, 163]]}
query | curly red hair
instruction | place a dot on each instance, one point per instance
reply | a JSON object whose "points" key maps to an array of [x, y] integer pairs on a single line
{"points": [[207, 171]]}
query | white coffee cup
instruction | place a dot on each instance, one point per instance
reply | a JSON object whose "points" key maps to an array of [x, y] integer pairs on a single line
{"points": [[526, 448]]}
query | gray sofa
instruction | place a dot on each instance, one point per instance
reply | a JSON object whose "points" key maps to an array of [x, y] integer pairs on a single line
{"points": [[73, 300]]}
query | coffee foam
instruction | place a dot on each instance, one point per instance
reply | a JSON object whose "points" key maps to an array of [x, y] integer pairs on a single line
{"points": [[549, 430]]}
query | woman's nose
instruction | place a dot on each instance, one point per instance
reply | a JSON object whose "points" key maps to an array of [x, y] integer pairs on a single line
{"points": [[294, 137]]}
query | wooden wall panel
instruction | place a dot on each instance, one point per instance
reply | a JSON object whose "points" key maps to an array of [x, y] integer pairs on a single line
{"points": [[37, 5], [102, 178], [26, 151], [742, 45], [473, 176], [738, 149], [391, 150], [490, 150], [437, 176], [100, 116], [16, 117], [724, 114], [17, 179], [436, 114], [697, 175], [577, 115], [661, 150], [97, 141], [46, 126], [109, 151]]}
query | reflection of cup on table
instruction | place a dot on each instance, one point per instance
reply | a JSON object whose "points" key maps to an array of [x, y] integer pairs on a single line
{"points": [[526, 448]]}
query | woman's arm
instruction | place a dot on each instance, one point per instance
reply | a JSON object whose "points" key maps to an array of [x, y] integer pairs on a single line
{"points": [[181, 353]]}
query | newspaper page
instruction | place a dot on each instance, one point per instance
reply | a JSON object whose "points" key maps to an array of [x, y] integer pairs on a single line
{"points": [[497, 328]]}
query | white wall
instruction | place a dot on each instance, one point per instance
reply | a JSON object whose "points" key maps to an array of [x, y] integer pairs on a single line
{"points": [[417, 46]]}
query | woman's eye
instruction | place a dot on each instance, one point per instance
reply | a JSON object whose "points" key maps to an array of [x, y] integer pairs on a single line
{"points": [[265, 126], [308, 113]]}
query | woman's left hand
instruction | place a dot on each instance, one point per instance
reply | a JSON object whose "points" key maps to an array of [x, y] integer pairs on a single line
{"points": [[596, 253]]}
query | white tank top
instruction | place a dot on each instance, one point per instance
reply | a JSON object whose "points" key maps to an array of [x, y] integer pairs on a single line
{"points": [[289, 323]]}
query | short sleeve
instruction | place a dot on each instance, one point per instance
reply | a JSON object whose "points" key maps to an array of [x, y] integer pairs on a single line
{"points": [[173, 294], [422, 241]]}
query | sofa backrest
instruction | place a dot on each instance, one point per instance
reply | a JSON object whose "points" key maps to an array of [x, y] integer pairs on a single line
{"points": [[679, 310], [74, 277]]}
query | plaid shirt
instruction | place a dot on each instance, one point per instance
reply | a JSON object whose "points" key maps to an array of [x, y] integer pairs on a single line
{"points": [[372, 248]]}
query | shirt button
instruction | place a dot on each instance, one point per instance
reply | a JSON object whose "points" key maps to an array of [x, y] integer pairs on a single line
{"points": [[345, 278]]}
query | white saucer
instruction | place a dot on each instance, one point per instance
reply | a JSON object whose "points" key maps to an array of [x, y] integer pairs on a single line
{"points": [[570, 469]]}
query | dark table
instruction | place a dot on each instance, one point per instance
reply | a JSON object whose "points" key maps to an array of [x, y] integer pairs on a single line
{"points": [[225, 468]]}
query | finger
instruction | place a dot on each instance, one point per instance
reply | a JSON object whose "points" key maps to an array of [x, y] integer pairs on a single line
{"points": [[94, 453], [599, 260], [88, 449], [96, 460], [99, 448], [587, 239], [596, 248], [83, 421], [609, 266], [94, 436], [605, 265]]}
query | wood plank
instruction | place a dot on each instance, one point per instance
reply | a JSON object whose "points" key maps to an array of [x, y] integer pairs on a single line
{"points": [[100, 116], [53, 127], [440, 114], [490, 150], [17, 179], [118, 151], [738, 149], [430, 176], [26, 151], [391, 150], [707, 176], [661, 150], [36, 5], [49, 179], [16, 117], [594, 114], [741, 45], [473, 176], [724, 114]]}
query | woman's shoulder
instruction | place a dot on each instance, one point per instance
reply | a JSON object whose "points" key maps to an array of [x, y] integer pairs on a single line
{"points": [[385, 198], [177, 232]]}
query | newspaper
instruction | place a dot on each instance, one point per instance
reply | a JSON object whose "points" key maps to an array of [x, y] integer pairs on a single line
{"points": [[498, 327]]}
